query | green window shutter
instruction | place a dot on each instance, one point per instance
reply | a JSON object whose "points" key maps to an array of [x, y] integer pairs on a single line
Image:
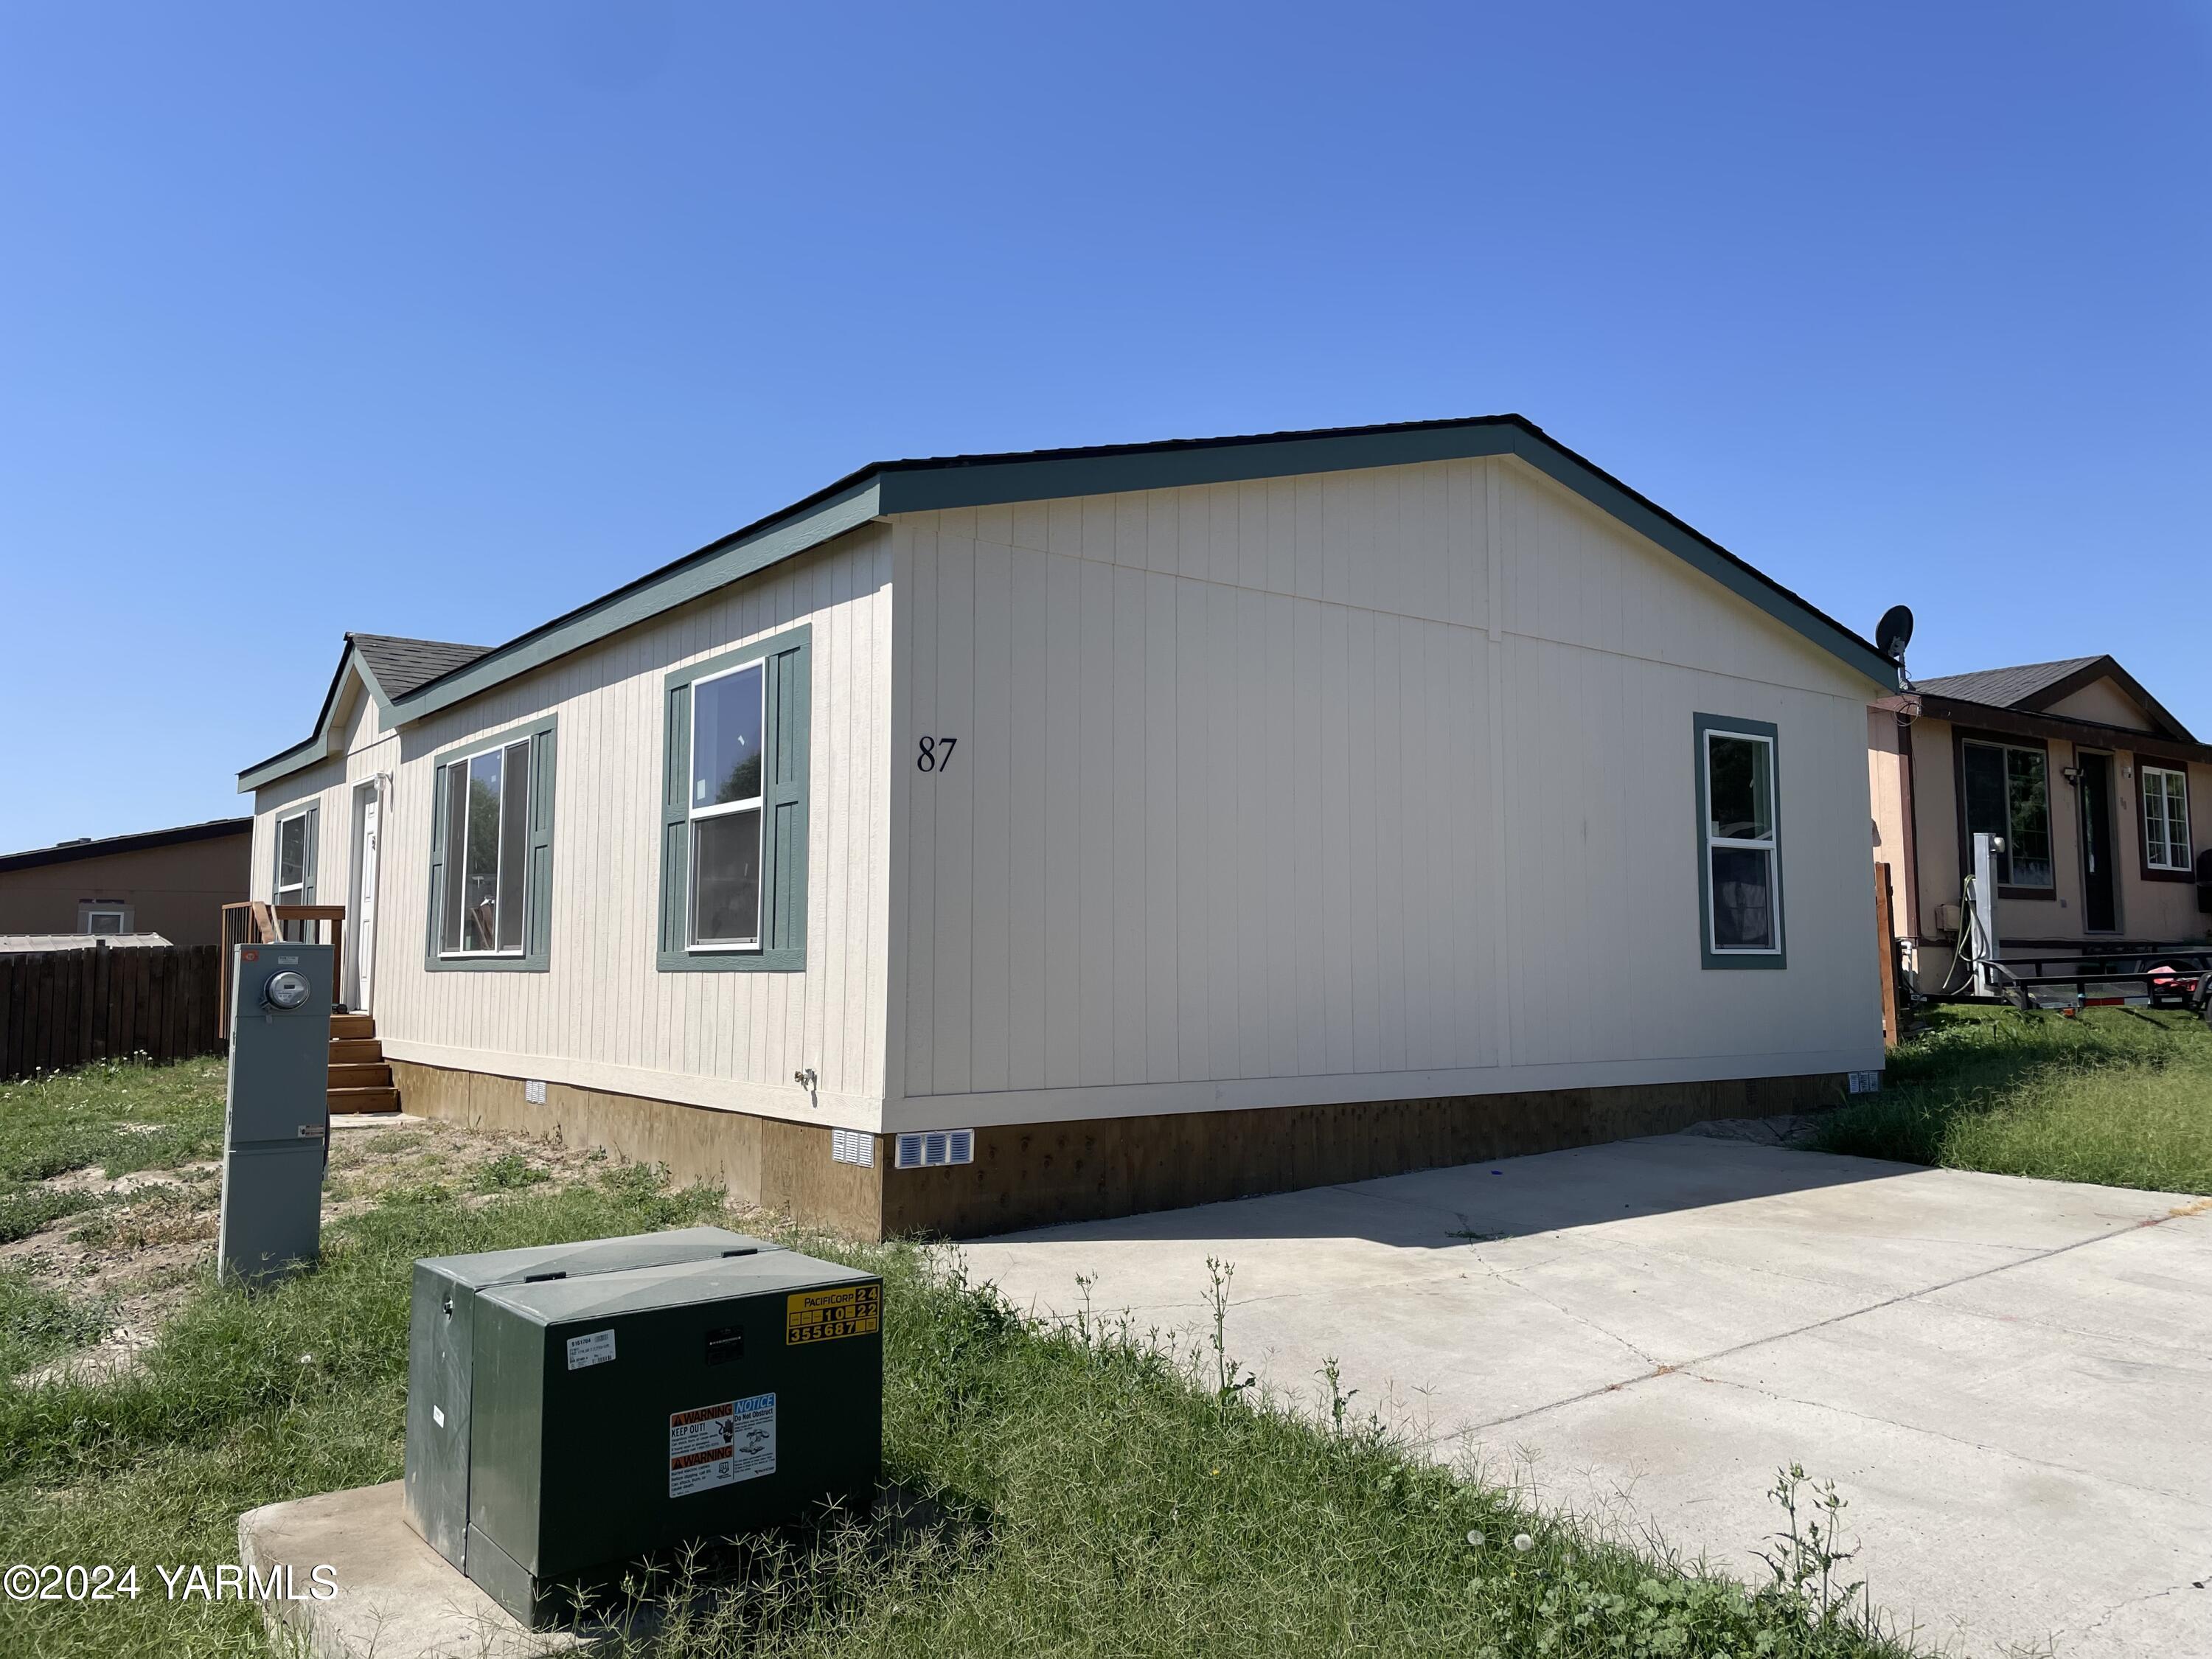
{"points": [[675, 822], [787, 725], [784, 856], [437, 863], [537, 932], [315, 834]]}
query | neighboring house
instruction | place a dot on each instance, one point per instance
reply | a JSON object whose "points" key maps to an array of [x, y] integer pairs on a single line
{"points": [[170, 882], [2097, 790], [1178, 820]]}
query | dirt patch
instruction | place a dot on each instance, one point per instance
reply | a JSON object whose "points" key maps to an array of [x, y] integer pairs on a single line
{"points": [[151, 1234]]}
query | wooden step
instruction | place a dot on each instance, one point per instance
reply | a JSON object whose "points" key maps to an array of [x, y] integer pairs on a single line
{"points": [[361, 1076], [366, 1051], [353, 1025], [364, 1100]]}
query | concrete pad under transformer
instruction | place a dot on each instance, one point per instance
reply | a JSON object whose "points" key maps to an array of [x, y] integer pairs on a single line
{"points": [[397, 1597]]}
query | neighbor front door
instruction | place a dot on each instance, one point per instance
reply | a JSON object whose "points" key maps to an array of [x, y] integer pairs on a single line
{"points": [[2099, 864]]}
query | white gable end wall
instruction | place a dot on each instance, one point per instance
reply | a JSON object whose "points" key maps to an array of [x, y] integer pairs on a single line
{"points": [[1363, 785]]}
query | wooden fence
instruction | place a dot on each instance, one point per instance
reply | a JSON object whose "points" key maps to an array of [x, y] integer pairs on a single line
{"points": [[64, 1008]]}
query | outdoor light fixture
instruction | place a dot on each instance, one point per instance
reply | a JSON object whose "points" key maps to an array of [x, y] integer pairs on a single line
{"points": [[287, 990], [2072, 774]]}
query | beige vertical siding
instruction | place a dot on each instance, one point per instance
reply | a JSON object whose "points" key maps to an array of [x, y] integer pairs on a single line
{"points": [[1889, 791], [1371, 785], [328, 785], [602, 1017], [2152, 908]]}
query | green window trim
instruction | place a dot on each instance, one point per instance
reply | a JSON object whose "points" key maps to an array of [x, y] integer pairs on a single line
{"points": [[786, 725], [538, 881], [310, 808], [1707, 956]]}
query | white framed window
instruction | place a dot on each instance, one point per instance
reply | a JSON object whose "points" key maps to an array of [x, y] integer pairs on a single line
{"points": [[2008, 789], [291, 885], [2164, 817], [1739, 877], [728, 713], [486, 801], [104, 919]]}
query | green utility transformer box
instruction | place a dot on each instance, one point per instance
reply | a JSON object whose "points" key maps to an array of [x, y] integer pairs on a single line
{"points": [[573, 1408]]}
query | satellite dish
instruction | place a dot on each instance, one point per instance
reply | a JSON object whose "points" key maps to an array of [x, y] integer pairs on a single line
{"points": [[1893, 632]]}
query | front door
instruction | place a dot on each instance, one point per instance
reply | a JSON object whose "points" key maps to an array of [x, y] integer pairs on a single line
{"points": [[2099, 906], [360, 937]]}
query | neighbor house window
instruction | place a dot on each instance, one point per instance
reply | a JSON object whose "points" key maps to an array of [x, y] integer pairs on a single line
{"points": [[2166, 817], [491, 852], [292, 856], [2007, 792], [727, 715], [99, 921], [733, 811], [1740, 875]]}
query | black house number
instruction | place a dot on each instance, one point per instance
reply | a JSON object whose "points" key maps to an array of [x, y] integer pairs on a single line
{"points": [[936, 754]]}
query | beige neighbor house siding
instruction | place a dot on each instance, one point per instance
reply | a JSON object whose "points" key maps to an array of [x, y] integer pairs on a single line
{"points": [[1368, 786], [2151, 908], [602, 1017]]}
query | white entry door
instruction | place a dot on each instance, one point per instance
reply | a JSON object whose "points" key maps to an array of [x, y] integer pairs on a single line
{"points": [[362, 935]]}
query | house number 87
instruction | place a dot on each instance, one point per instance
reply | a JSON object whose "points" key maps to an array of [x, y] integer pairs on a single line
{"points": [[936, 754]]}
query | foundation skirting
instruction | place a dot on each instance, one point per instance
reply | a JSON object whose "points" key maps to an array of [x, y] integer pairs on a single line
{"points": [[1034, 1174]]}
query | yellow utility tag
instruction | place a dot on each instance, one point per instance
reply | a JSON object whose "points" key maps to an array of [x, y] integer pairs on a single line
{"points": [[825, 1315]]}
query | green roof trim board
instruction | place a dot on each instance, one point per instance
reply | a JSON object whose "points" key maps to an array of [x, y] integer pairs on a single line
{"points": [[959, 481]]}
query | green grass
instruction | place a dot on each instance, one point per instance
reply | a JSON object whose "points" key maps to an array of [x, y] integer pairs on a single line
{"points": [[120, 1116], [1075, 1491], [2121, 1096], [37, 1322]]}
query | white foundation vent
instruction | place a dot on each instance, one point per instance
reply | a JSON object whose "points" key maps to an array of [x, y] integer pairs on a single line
{"points": [[931, 1148], [852, 1146]]}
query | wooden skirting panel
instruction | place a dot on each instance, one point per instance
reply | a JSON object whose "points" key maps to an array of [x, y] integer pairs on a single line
{"points": [[1038, 1174], [776, 1164], [1034, 1175]]}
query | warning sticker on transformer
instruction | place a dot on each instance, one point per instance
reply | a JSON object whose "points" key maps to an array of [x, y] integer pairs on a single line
{"points": [[721, 1445], [825, 1315]]}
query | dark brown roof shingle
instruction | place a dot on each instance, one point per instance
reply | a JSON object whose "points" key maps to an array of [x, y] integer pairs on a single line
{"points": [[2005, 688], [401, 665]]}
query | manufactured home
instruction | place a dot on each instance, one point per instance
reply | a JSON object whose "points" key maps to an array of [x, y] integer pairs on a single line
{"points": [[2095, 789], [995, 840]]}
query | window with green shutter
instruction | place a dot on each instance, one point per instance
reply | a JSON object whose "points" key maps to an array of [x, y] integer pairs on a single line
{"points": [[733, 810], [491, 853]]}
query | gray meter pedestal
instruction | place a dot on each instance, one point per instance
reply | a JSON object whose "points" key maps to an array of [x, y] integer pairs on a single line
{"points": [[572, 1408], [276, 1117]]}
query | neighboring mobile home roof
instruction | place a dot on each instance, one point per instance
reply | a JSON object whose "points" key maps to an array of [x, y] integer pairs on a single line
{"points": [[2033, 688], [2003, 688], [142, 841], [955, 481]]}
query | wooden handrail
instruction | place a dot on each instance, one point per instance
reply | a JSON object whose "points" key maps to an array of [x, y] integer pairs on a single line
{"points": [[257, 921]]}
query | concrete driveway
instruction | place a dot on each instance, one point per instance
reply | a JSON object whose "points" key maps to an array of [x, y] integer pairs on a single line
{"points": [[2011, 1381]]}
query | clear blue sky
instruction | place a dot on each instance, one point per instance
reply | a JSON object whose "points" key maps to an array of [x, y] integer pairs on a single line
{"points": [[439, 320]]}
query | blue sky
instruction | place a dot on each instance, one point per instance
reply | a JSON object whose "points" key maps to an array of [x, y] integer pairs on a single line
{"points": [[441, 320]]}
